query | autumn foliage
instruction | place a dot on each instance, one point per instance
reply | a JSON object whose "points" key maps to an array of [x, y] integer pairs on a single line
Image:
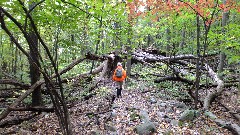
{"points": [[203, 8]]}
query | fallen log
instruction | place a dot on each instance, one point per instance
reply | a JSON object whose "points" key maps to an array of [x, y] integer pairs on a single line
{"points": [[16, 120], [15, 83], [10, 89], [189, 82], [100, 78], [91, 56], [94, 71], [35, 109], [147, 57], [220, 84], [9, 95], [174, 78]]}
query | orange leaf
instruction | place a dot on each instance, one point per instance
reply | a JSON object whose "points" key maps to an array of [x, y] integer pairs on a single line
{"points": [[221, 6]]}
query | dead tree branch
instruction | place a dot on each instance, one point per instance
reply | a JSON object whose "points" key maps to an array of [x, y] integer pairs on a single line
{"points": [[35, 109], [14, 82], [220, 84]]}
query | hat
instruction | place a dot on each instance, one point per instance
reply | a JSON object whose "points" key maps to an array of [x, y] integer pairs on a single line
{"points": [[119, 64]]}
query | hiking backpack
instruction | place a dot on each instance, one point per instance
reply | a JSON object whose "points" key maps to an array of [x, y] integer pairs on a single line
{"points": [[119, 73]]}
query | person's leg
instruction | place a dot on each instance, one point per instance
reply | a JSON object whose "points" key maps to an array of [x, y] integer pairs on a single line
{"points": [[119, 89]]}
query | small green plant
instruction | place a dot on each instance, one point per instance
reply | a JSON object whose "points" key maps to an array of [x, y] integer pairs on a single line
{"points": [[134, 116], [28, 100], [103, 91]]}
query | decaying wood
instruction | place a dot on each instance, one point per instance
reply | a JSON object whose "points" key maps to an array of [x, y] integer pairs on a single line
{"points": [[147, 57], [35, 109], [100, 78], [15, 83], [16, 120], [9, 95], [91, 56], [174, 78], [94, 71], [234, 128], [69, 67], [220, 84]]}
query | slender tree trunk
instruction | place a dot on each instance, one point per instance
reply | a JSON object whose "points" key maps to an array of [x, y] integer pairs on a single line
{"points": [[183, 38], [12, 54], [21, 65], [168, 42], [222, 54], [97, 43], [1, 54], [198, 62], [129, 52], [55, 50], [34, 73], [15, 62]]}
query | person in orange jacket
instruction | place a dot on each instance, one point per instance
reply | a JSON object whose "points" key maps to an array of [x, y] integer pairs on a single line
{"points": [[119, 76]]}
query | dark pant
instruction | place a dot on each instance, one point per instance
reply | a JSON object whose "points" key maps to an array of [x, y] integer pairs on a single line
{"points": [[119, 90]]}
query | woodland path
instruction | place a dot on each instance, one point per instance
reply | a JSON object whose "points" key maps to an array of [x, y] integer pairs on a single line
{"points": [[98, 116]]}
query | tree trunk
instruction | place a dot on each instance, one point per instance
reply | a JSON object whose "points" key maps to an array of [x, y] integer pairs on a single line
{"points": [[198, 63], [183, 38], [168, 41], [34, 73], [129, 56], [222, 54]]}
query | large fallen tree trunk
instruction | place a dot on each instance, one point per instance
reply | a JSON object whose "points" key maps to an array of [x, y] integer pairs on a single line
{"points": [[103, 68], [147, 57]]}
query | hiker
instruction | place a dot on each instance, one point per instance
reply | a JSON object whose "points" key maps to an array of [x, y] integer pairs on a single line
{"points": [[119, 76]]}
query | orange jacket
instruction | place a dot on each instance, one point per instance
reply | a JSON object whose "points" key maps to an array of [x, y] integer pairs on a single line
{"points": [[124, 76]]}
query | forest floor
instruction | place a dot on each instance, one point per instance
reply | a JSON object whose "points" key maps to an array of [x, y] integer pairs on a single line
{"points": [[98, 116]]}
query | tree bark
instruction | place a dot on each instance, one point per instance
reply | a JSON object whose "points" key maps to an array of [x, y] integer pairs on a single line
{"points": [[14, 82], [35, 109], [168, 41], [222, 54], [198, 63], [34, 72], [220, 84]]}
